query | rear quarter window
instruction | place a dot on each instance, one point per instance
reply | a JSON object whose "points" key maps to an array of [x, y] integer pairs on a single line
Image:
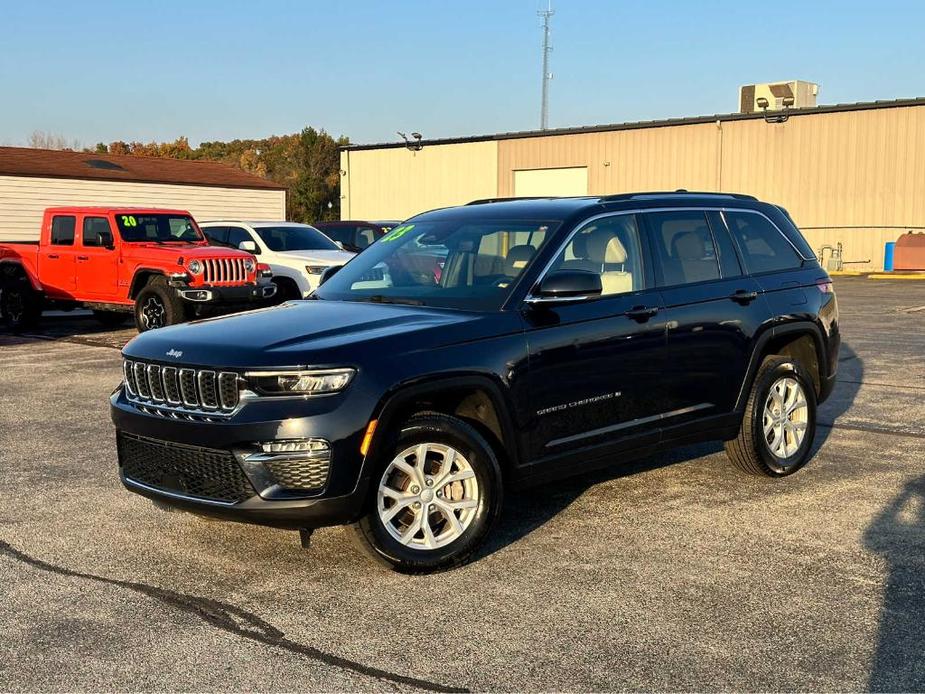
{"points": [[763, 246]]}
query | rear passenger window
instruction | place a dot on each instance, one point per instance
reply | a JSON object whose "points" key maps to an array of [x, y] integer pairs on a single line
{"points": [[610, 248], [763, 246], [62, 230], [684, 246]]}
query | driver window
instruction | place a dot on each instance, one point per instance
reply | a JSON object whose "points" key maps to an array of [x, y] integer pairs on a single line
{"points": [[608, 247]]}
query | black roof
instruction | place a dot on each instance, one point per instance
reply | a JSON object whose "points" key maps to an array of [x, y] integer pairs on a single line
{"points": [[639, 125], [552, 208]]}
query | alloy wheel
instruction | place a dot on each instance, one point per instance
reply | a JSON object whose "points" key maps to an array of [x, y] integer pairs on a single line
{"points": [[153, 313], [428, 496], [14, 306], [785, 417]]}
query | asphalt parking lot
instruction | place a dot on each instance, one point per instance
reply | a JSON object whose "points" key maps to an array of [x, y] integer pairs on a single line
{"points": [[674, 573]]}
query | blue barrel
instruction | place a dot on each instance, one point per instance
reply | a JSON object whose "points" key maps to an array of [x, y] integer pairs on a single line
{"points": [[888, 255]]}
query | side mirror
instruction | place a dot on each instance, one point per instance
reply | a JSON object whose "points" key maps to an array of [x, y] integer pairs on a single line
{"points": [[104, 239], [249, 246], [328, 273], [568, 284]]}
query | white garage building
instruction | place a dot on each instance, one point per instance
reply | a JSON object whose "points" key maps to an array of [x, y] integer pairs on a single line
{"points": [[33, 179]]}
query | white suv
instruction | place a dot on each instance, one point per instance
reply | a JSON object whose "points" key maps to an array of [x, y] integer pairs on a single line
{"points": [[297, 253]]}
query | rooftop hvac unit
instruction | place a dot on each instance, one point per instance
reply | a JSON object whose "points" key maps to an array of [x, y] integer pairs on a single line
{"points": [[776, 96]]}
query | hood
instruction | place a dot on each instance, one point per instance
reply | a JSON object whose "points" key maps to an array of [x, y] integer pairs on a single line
{"points": [[187, 251], [319, 257], [308, 333]]}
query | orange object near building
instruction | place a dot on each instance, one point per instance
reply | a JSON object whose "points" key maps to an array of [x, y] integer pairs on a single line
{"points": [[910, 252]]}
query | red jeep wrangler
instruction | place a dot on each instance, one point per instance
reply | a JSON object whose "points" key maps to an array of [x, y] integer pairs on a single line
{"points": [[116, 261]]}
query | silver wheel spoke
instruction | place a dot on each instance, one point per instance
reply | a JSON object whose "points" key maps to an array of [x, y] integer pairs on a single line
{"points": [[455, 477], [407, 506], [784, 419]]}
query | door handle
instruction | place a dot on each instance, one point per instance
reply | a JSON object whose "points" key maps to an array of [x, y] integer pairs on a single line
{"points": [[641, 313], [743, 296], [83, 257], [52, 257]]}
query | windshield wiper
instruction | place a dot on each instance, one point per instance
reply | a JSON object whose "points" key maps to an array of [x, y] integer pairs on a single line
{"points": [[382, 299]]}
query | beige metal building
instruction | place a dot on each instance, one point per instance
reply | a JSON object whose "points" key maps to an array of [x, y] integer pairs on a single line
{"points": [[33, 179], [849, 174]]}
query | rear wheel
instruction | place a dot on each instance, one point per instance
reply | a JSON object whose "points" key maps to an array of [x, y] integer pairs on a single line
{"points": [[779, 425], [158, 306], [20, 304], [435, 497], [111, 319]]}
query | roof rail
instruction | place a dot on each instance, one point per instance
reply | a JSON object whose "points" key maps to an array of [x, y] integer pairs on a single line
{"points": [[485, 201], [674, 193]]}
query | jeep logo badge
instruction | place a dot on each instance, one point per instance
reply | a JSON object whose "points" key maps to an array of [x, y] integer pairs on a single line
{"points": [[175, 353]]}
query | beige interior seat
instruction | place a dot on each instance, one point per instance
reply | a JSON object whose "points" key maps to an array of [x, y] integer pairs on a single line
{"points": [[609, 255]]}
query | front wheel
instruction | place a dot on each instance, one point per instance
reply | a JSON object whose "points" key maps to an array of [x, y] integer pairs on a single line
{"points": [[779, 424], [158, 306], [436, 495]]}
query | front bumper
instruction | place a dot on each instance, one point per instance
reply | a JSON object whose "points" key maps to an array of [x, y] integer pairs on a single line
{"points": [[243, 294], [215, 468]]}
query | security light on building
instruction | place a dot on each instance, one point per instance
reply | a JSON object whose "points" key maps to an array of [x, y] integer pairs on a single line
{"points": [[775, 96]]}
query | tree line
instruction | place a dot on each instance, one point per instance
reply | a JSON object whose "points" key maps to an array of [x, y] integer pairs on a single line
{"points": [[306, 163]]}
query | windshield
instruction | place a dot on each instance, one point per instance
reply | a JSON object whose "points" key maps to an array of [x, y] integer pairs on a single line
{"points": [[158, 228], [292, 238], [446, 264]]}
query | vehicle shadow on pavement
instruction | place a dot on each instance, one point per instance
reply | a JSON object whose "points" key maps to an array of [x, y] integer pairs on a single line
{"points": [[529, 509], [850, 378], [80, 327], [898, 535]]}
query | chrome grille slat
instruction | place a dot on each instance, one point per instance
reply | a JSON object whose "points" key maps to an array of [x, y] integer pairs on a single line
{"points": [[141, 380], [128, 372], [208, 398], [181, 392], [188, 387], [171, 385], [155, 387]]}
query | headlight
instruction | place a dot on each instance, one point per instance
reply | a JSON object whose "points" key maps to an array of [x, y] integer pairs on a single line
{"points": [[249, 264], [315, 269], [318, 382], [195, 267]]}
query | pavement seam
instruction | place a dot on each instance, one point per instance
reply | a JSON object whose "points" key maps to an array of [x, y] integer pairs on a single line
{"points": [[871, 430], [231, 619]]}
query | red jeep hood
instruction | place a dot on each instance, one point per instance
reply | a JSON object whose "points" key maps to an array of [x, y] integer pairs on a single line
{"points": [[187, 250]]}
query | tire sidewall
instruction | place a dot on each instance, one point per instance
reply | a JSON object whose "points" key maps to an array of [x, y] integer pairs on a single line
{"points": [[775, 466], [481, 457], [172, 312]]}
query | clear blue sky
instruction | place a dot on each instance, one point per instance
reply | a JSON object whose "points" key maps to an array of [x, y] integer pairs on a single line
{"points": [[108, 70]]}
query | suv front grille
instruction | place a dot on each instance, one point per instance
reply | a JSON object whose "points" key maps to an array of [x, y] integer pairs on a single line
{"points": [[179, 391], [224, 271], [190, 471]]}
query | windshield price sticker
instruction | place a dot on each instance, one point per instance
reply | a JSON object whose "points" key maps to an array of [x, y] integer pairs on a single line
{"points": [[128, 220], [397, 233]]}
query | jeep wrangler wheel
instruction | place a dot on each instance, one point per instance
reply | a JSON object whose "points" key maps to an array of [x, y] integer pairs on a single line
{"points": [[779, 424], [158, 306], [20, 304], [435, 497], [111, 319]]}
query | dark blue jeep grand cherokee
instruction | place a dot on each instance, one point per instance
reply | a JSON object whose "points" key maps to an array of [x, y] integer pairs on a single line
{"points": [[479, 347]]}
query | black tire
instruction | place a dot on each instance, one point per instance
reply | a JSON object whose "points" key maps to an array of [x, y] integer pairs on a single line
{"points": [[751, 451], [158, 306], [442, 430], [286, 290], [20, 304], [111, 319]]}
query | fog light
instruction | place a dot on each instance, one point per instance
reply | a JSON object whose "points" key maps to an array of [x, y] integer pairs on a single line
{"points": [[296, 446]]}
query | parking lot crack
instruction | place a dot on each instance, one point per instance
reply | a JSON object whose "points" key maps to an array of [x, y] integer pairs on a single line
{"points": [[231, 619]]}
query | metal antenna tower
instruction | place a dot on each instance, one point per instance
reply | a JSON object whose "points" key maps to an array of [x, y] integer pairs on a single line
{"points": [[547, 75]]}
